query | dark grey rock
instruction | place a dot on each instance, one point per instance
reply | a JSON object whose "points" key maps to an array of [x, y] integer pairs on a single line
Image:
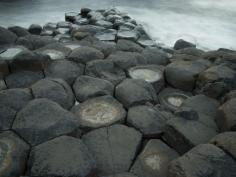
{"points": [[122, 175], [113, 148], [154, 159], [149, 120], [42, 120], [46, 159], [226, 141], [50, 26], [105, 47], [2, 84], [155, 56], [23, 79], [7, 115], [19, 31], [225, 118], [30, 61], [84, 11], [56, 90], [86, 87], [35, 29], [15, 98], [92, 29], [183, 74], [70, 16], [127, 34], [203, 160], [103, 23], [183, 135], [11, 52], [184, 57], [85, 54], [146, 42], [105, 69], [181, 44], [153, 74], [128, 46], [126, 60], [7, 37], [64, 69], [229, 96], [131, 92], [187, 113], [191, 51], [107, 35], [64, 24], [99, 112], [14, 153], [4, 69]]}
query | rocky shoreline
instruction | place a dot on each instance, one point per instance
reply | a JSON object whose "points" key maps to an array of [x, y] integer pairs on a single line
{"points": [[95, 96]]}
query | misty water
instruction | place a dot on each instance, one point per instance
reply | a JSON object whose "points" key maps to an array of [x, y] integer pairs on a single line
{"points": [[210, 24]]}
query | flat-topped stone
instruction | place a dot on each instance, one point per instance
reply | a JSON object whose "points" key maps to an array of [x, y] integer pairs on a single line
{"points": [[11, 52]]}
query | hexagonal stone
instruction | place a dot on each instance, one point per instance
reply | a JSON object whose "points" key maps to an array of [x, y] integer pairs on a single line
{"points": [[148, 120], [23, 79], [226, 119], [216, 81], [153, 74], [133, 92], [42, 120], [113, 148], [154, 159], [155, 56], [99, 112], [103, 23], [54, 158], [105, 47], [203, 160], [183, 135], [85, 54], [86, 87], [105, 69], [183, 74], [30, 61], [122, 175], [15, 98], [56, 90], [205, 107], [181, 44], [6, 36], [128, 34], [172, 99], [64, 69], [226, 141], [7, 116], [128, 46], [56, 46], [14, 153], [107, 35], [11, 52]]}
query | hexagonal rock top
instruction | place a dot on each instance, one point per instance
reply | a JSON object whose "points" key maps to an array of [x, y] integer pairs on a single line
{"points": [[154, 160], [113, 148], [42, 120], [203, 160], [63, 156], [99, 112], [13, 155], [132, 92], [56, 90]]}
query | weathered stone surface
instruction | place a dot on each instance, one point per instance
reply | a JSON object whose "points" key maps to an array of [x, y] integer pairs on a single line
{"points": [[107, 35], [148, 120], [155, 56], [190, 51], [126, 60], [146, 42], [154, 159], [35, 29], [4, 70], [153, 74], [14, 152], [15, 98], [225, 118], [19, 31], [103, 23], [86, 87], [226, 141], [203, 160], [34, 42], [42, 120], [56, 90], [28, 60], [99, 112], [105, 47], [128, 46], [71, 16], [64, 69], [11, 52], [92, 29], [183, 74], [7, 37], [181, 44], [216, 81], [113, 148], [171, 99], [85, 54], [46, 159], [23, 79], [7, 116], [183, 135], [122, 175], [105, 69], [229, 96], [133, 92], [127, 34], [2, 85]]}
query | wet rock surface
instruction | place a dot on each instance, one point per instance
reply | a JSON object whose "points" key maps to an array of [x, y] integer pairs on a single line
{"points": [[95, 96]]}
